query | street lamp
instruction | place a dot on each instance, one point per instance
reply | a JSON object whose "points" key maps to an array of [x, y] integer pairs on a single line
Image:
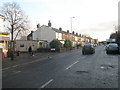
{"points": [[71, 23]]}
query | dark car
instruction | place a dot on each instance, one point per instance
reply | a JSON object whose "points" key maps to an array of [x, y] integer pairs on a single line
{"points": [[112, 48], [88, 49]]}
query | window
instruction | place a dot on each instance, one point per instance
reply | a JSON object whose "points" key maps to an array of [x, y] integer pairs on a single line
{"points": [[21, 45], [1, 41]]}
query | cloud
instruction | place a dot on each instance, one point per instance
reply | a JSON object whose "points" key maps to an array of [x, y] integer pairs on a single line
{"points": [[104, 26]]}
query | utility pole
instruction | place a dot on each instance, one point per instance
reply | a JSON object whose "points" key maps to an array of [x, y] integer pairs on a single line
{"points": [[71, 22]]}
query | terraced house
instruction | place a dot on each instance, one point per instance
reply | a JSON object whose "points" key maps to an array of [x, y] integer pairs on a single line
{"points": [[48, 33]]}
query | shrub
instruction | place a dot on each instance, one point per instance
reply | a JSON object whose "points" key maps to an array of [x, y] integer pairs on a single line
{"points": [[68, 43], [55, 44], [78, 45]]}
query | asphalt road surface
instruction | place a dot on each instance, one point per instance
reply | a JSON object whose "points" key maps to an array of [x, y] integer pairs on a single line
{"points": [[66, 70]]}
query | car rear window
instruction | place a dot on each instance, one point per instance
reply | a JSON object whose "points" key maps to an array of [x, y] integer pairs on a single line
{"points": [[113, 45], [88, 46]]}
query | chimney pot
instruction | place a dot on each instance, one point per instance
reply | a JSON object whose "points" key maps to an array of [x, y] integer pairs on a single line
{"points": [[67, 31], [60, 29], [49, 23], [38, 25]]}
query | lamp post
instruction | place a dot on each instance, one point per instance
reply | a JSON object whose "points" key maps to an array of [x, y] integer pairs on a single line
{"points": [[71, 23]]}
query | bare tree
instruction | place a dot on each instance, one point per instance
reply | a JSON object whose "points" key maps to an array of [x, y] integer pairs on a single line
{"points": [[18, 23]]}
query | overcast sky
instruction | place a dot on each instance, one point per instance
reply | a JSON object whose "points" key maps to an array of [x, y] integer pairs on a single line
{"points": [[94, 17]]}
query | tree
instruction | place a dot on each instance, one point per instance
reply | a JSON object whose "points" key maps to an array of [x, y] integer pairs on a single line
{"points": [[113, 36], [68, 43], [118, 38], [18, 23], [55, 43], [78, 45]]}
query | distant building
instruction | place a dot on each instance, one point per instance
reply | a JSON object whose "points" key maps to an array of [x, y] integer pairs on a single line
{"points": [[110, 41], [96, 41]]}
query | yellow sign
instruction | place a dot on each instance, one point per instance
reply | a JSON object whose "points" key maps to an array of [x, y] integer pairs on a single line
{"points": [[4, 35]]}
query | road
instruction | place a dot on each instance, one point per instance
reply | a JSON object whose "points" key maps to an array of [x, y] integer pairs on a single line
{"points": [[66, 70]]}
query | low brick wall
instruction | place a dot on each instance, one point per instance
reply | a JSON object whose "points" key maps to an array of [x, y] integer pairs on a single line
{"points": [[62, 50], [43, 50], [57, 50]]}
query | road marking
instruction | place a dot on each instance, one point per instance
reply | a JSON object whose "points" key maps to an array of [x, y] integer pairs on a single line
{"points": [[81, 58], [15, 72], [44, 85], [15, 66], [5, 68], [72, 65]]}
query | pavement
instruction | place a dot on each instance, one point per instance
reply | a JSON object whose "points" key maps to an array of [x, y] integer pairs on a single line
{"points": [[25, 58]]}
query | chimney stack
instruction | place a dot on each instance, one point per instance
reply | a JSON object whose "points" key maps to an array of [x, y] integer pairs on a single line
{"points": [[49, 23], [32, 31], [80, 35], [76, 34], [38, 25], [73, 32], [67, 31], [60, 29]]}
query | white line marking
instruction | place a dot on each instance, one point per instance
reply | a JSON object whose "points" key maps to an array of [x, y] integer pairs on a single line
{"points": [[81, 58], [6, 68], [15, 66], [44, 85], [15, 72], [72, 65]]}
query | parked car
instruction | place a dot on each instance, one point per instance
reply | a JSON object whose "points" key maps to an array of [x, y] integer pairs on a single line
{"points": [[119, 49], [112, 48], [88, 49]]}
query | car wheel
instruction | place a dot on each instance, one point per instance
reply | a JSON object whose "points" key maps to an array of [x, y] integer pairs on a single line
{"points": [[107, 52], [83, 52]]}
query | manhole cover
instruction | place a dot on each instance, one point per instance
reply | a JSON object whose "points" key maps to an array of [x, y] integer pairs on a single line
{"points": [[106, 66], [81, 72]]}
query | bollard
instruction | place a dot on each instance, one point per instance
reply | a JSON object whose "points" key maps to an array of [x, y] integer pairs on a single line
{"points": [[12, 54], [18, 53]]}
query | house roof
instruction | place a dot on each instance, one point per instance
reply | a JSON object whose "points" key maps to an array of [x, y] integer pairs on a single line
{"points": [[57, 30], [1, 15]]}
